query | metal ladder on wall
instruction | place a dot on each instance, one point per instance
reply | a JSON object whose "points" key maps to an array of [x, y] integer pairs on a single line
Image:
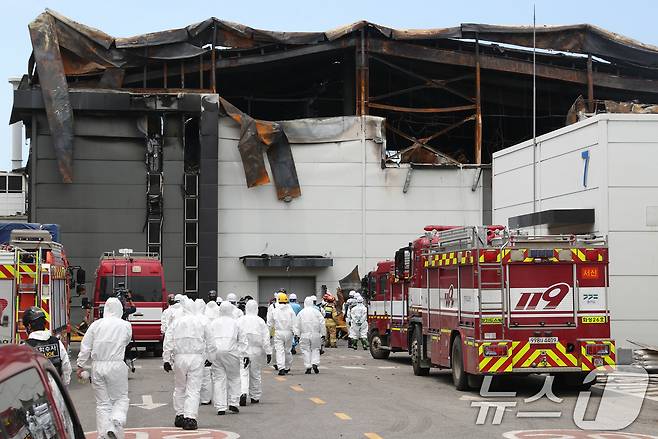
{"points": [[497, 306], [154, 185]]}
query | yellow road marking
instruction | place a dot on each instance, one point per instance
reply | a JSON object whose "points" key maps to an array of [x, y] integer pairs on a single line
{"points": [[342, 416], [372, 436], [317, 400], [279, 378], [297, 388]]}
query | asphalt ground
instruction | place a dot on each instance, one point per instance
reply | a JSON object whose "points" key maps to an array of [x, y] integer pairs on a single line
{"points": [[355, 396]]}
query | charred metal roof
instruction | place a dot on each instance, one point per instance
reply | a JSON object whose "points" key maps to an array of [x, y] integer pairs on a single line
{"points": [[449, 95]]}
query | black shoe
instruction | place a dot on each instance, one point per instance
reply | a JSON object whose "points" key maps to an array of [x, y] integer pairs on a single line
{"points": [[287, 371], [282, 372], [243, 400], [254, 401], [308, 371], [233, 409], [111, 434], [275, 367], [206, 403], [355, 347], [221, 412], [189, 424], [293, 351], [316, 369], [178, 422]]}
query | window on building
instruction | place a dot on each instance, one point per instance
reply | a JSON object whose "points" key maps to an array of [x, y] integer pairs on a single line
{"points": [[15, 184]]}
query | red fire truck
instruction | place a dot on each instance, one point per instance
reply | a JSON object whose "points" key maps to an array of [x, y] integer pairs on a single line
{"points": [[482, 301], [34, 272], [143, 275]]}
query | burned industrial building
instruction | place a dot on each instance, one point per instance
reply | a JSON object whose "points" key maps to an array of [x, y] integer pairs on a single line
{"points": [[158, 141]]}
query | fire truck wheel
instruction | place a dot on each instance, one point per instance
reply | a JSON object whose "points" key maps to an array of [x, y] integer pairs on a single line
{"points": [[416, 349], [375, 347], [459, 375]]}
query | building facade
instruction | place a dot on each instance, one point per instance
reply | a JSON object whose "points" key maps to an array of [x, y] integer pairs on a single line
{"points": [[595, 176]]}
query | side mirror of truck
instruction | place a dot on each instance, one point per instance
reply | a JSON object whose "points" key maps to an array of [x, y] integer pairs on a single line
{"points": [[81, 276], [85, 303]]}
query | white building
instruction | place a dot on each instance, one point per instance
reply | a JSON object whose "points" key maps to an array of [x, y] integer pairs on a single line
{"points": [[12, 197], [351, 211], [598, 175]]}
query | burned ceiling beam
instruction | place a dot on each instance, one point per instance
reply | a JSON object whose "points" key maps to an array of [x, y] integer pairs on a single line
{"points": [[508, 65]]}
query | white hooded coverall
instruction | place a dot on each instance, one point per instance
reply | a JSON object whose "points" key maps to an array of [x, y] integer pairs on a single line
{"points": [[184, 348], [226, 345], [168, 314], [311, 327], [281, 319], [359, 322], [105, 344], [210, 314], [258, 346]]}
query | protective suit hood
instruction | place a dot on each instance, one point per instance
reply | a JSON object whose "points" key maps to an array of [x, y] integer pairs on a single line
{"points": [[211, 307], [113, 308], [251, 308], [188, 306], [308, 302], [226, 309], [199, 306]]}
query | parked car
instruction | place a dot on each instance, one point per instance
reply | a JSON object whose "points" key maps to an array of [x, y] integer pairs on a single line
{"points": [[34, 402]]}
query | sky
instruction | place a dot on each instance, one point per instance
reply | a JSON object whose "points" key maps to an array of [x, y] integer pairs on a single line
{"points": [[120, 18]]}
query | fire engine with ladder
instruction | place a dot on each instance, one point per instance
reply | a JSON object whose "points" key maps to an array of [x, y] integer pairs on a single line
{"points": [[482, 301], [34, 272]]}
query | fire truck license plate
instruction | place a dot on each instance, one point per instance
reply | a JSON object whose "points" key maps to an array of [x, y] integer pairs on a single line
{"points": [[543, 340]]}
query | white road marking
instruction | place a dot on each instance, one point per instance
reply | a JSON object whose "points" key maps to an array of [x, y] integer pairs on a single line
{"points": [[148, 404], [353, 367]]}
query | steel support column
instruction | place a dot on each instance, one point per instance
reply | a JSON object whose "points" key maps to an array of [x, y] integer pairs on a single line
{"points": [[478, 106], [362, 74]]}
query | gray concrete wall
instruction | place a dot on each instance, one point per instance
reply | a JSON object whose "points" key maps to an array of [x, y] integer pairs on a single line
{"points": [[104, 208]]}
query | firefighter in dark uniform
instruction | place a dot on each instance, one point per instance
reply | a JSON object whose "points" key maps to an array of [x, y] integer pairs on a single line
{"points": [[34, 320]]}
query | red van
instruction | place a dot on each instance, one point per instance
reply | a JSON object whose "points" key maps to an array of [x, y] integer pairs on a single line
{"points": [[142, 274], [34, 401]]}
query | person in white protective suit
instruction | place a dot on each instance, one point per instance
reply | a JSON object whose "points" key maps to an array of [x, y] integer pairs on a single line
{"points": [[233, 299], [104, 344], [184, 352], [259, 351], [281, 319], [312, 330], [359, 324], [168, 314], [210, 314], [225, 346]]}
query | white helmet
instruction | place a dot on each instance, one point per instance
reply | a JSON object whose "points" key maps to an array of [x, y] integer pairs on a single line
{"points": [[315, 299], [219, 299], [232, 298], [359, 299], [352, 293], [292, 297]]}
